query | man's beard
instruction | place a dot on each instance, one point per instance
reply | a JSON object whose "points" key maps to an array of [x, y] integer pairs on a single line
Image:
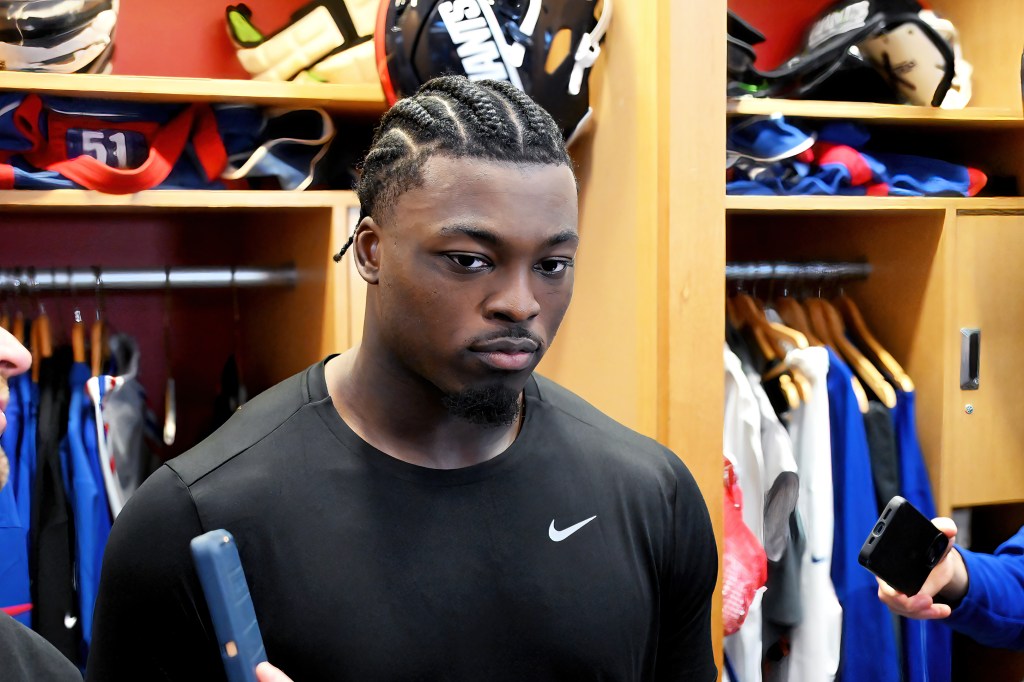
{"points": [[484, 405]]}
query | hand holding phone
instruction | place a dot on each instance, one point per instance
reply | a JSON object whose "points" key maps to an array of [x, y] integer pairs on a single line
{"points": [[227, 596], [903, 547]]}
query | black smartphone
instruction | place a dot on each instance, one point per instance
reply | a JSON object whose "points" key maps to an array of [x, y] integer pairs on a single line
{"points": [[903, 547], [227, 595]]}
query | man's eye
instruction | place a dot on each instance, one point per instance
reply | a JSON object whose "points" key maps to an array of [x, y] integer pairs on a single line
{"points": [[554, 266], [468, 261]]}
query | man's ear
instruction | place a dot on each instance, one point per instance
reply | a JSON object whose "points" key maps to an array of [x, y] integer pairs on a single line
{"points": [[366, 248]]}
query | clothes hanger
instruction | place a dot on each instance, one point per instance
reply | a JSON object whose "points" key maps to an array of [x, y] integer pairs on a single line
{"points": [[823, 330], [795, 317], [77, 326], [41, 338], [98, 332], [797, 340], [768, 341], [790, 337], [862, 367], [18, 327], [730, 308], [5, 313], [873, 349]]}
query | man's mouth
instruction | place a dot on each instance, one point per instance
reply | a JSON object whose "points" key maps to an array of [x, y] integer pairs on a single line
{"points": [[507, 354], [514, 361]]}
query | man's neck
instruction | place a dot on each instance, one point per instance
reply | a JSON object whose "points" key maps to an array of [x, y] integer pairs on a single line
{"points": [[405, 418]]}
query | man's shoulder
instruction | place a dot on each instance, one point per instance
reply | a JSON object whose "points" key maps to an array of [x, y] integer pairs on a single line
{"points": [[249, 425], [591, 429]]}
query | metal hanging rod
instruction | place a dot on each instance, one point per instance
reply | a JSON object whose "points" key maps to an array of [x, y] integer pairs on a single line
{"points": [[814, 271], [29, 280]]}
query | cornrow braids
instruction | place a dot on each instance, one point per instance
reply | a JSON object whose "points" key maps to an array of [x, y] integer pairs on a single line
{"points": [[453, 116], [538, 124]]}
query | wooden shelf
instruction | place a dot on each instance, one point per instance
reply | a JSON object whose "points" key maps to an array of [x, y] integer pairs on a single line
{"points": [[762, 204], [177, 200], [353, 99], [895, 114]]}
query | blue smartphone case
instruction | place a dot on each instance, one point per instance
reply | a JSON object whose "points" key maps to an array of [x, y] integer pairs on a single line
{"points": [[227, 596]]}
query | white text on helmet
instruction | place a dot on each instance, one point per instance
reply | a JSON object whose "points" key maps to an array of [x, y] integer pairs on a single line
{"points": [[476, 47], [840, 21]]}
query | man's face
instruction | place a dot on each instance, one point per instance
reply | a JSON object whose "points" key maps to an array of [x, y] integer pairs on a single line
{"points": [[474, 271], [14, 360]]}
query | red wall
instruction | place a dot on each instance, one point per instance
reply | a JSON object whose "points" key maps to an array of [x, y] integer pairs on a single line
{"points": [[783, 24], [186, 37], [201, 320]]}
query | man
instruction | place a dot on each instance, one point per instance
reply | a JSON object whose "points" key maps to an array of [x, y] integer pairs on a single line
{"points": [[423, 506], [979, 595]]}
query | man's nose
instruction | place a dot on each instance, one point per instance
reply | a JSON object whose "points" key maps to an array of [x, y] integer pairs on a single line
{"points": [[14, 358], [515, 300]]}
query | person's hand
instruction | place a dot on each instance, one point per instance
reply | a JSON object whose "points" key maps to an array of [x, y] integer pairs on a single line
{"points": [[268, 673], [947, 581]]}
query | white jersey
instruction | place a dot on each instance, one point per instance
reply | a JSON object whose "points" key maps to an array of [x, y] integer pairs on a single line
{"points": [[815, 641]]}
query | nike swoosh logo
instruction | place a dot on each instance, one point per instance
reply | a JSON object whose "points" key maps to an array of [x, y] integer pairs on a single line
{"points": [[70, 621], [817, 559], [559, 535]]}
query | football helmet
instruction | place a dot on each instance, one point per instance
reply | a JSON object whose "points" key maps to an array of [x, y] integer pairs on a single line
{"points": [[510, 40]]}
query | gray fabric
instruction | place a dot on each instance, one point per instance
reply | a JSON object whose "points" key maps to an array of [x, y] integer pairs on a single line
{"points": [[885, 462], [126, 413]]}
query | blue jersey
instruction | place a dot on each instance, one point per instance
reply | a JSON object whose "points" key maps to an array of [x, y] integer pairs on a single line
{"points": [[869, 641], [927, 644], [92, 515], [27, 452], [15, 597], [10, 439]]}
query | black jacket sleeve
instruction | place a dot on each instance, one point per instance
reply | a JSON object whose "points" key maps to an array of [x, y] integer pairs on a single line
{"points": [[688, 582], [151, 621], [26, 657]]}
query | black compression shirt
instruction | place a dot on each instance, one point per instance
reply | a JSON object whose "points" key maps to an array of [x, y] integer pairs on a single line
{"points": [[582, 552]]}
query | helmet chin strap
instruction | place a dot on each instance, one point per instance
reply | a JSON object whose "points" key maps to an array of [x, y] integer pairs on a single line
{"points": [[589, 49], [516, 51], [581, 127]]}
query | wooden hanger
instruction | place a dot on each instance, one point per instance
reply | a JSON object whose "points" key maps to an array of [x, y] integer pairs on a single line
{"points": [[731, 313], [873, 349], [752, 314], [78, 338], [818, 322], [794, 337], [795, 317], [18, 327], [40, 343], [823, 329], [98, 331], [797, 340], [795, 387], [33, 348], [5, 321], [862, 367], [98, 342], [42, 325]]}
